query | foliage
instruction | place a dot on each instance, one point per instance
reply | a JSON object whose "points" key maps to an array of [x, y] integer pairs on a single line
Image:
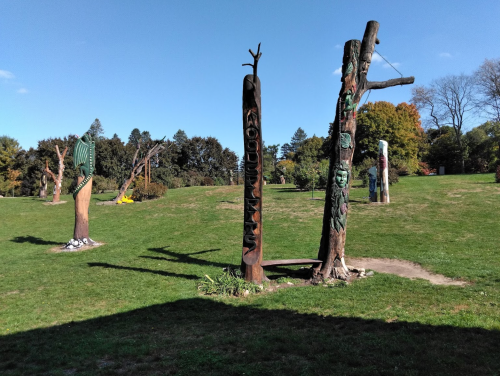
{"points": [[9, 147], [483, 147], [424, 169], [398, 125], [286, 169], [444, 151], [298, 139], [270, 160], [310, 151], [311, 175], [180, 138], [229, 282], [96, 130], [152, 191], [207, 181], [100, 184], [497, 175]]}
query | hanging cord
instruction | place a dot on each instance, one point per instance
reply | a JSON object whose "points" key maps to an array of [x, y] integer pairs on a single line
{"points": [[401, 74], [368, 96]]}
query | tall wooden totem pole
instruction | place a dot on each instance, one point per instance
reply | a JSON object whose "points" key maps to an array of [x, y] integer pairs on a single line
{"points": [[383, 168], [83, 156], [355, 65], [252, 134]]}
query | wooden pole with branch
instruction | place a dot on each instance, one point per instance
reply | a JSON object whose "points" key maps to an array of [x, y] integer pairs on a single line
{"points": [[252, 134], [355, 65], [58, 180]]}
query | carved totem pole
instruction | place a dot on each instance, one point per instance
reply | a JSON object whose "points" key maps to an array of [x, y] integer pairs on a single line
{"points": [[252, 134], [372, 177], [83, 156], [355, 65], [43, 185], [383, 168]]}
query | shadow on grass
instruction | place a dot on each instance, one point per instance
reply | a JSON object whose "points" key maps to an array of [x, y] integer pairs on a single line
{"points": [[186, 258], [141, 270], [202, 336], [33, 240]]}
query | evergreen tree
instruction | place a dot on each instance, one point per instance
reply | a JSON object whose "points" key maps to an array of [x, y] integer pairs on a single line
{"points": [[298, 138], [96, 130], [180, 137]]}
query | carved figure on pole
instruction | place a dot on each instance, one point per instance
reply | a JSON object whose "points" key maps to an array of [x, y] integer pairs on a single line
{"points": [[252, 134], [355, 65], [83, 157], [43, 185], [383, 167]]}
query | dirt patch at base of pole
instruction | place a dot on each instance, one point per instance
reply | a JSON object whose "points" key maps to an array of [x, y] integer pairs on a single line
{"points": [[402, 268]]}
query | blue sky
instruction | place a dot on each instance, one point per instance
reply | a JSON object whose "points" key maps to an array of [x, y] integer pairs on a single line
{"points": [[166, 65]]}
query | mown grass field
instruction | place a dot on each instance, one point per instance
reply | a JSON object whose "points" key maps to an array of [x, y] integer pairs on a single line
{"points": [[131, 306]]}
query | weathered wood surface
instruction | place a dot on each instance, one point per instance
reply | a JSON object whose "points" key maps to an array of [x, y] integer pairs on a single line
{"points": [[60, 171], [355, 66], [290, 262], [252, 134], [43, 185], [82, 202], [383, 168]]}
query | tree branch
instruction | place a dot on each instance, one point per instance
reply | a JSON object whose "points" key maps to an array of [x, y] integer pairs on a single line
{"points": [[394, 82], [256, 58]]}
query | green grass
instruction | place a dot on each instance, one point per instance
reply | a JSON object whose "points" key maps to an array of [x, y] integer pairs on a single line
{"points": [[132, 306]]}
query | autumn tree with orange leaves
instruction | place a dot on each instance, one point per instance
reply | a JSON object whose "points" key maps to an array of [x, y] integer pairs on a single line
{"points": [[399, 125]]}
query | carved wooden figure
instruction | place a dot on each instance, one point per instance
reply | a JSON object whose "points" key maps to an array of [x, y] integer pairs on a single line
{"points": [[383, 168], [252, 134], [43, 185], [355, 65], [83, 157]]}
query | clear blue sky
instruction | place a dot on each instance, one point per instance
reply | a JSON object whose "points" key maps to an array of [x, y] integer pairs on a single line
{"points": [[166, 65]]}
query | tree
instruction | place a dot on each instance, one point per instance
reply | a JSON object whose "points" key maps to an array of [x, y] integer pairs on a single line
{"points": [[270, 155], [9, 147], [443, 150], [453, 101], [488, 84], [96, 130], [135, 137], [355, 65], [12, 176], [483, 147], [180, 138], [286, 151], [399, 125], [60, 171], [310, 151], [297, 139]]}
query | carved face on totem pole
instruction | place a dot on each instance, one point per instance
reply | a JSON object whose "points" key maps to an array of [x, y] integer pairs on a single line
{"points": [[340, 196]]}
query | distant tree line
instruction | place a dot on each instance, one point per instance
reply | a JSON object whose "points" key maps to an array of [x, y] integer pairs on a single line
{"points": [[185, 162]]}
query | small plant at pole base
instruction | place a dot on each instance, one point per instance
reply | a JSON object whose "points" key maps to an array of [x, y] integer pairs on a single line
{"points": [[230, 282]]}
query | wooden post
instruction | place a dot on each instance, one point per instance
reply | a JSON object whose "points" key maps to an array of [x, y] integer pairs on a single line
{"points": [[252, 134], [82, 202], [372, 178], [383, 168], [355, 65]]}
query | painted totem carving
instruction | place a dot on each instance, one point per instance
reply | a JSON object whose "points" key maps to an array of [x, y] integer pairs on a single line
{"points": [[383, 167], [83, 157], [252, 134], [355, 65]]}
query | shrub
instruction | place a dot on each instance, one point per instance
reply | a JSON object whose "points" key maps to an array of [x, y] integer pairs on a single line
{"points": [[498, 174], [101, 184], [424, 169], [173, 183], [152, 191], [207, 181], [230, 282], [219, 181]]}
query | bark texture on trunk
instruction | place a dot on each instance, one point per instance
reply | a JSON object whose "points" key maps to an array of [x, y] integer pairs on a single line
{"points": [[252, 134], [355, 65], [43, 185], [82, 201], [57, 180]]}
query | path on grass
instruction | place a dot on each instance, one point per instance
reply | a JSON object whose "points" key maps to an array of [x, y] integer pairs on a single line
{"points": [[402, 268]]}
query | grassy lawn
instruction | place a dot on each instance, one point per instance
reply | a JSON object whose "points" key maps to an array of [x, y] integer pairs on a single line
{"points": [[131, 306]]}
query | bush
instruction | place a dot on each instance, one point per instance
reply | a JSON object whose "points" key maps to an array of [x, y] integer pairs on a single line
{"points": [[173, 183], [153, 190], [219, 181], [230, 282], [424, 169], [207, 181], [498, 174], [361, 171], [101, 184]]}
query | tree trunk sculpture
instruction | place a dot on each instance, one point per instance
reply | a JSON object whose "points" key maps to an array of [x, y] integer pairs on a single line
{"points": [[138, 166], [83, 156], [383, 168], [58, 180], [43, 185], [355, 65], [252, 134]]}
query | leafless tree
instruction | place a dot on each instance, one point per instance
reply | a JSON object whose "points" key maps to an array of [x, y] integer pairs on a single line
{"points": [[488, 84], [448, 101]]}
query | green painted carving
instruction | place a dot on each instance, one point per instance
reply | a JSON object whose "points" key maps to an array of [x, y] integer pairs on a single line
{"points": [[84, 156], [349, 104], [349, 69], [340, 196], [345, 141]]}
